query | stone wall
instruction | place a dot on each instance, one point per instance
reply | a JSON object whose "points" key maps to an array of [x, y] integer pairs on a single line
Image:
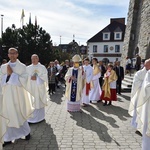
{"points": [[144, 39], [137, 36]]}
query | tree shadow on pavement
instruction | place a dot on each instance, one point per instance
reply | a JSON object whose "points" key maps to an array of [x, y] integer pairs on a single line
{"points": [[57, 97], [87, 122], [44, 132], [118, 111], [119, 99], [99, 115], [42, 137]]}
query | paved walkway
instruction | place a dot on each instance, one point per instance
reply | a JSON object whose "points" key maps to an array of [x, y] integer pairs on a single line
{"points": [[96, 128]]}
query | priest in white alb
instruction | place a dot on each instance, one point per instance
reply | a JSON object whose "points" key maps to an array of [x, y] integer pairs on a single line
{"points": [[17, 107], [3, 122], [3, 129], [136, 89], [143, 112], [37, 85]]}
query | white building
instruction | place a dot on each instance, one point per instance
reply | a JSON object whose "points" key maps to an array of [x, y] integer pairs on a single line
{"points": [[107, 44]]}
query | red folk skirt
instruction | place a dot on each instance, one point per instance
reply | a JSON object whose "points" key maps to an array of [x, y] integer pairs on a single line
{"points": [[113, 95]]}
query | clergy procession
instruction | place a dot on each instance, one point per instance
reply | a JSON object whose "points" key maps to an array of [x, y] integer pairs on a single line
{"points": [[23, 97], [26, 90], [140, 104]]}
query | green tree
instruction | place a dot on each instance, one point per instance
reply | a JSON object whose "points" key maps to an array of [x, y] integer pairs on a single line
{"points": [[60, 55], [31, 39]]}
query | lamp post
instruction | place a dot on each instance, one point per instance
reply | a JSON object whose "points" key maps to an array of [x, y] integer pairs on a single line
{"points": [[2, 25], [60, 39]]}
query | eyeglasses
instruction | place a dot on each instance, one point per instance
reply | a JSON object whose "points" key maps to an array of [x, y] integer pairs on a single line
{"points": [[12, 53]]}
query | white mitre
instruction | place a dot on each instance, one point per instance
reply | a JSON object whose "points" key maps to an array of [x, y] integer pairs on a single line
{"points": [[76, 58]]}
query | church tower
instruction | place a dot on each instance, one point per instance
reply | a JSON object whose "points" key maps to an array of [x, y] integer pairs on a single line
{"points": [[137, 34]]}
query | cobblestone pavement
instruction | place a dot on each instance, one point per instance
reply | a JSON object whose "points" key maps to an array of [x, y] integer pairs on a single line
{"points": [[95, 128]]}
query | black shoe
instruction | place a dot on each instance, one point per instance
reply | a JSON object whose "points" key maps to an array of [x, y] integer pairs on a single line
{"points": [[28, 137], [109, 103], [84, 105], [99, 101], [53, 92], [41, 121], [105, 103], [6, 143], [30, 123], [138, 133]]}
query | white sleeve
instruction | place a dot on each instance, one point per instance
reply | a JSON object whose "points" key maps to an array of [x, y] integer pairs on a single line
{"points": [[89, 75], [14, 80], [43, 76], [3, 81], [39, 81]]}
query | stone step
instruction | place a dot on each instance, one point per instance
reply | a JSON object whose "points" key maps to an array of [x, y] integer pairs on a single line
{"points": [[129, 81], [126, 83], [125, 88], [129, 77]]}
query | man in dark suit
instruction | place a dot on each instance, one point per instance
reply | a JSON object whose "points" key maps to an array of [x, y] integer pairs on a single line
{"points": [[120, 73], [103, 70], [138, 62], [64, 70]]}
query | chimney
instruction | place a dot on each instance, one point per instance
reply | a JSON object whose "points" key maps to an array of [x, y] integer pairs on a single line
{"points": [[120, 20]]}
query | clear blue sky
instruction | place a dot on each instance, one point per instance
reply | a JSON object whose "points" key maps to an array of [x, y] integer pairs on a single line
{"points": [[65, 18]]}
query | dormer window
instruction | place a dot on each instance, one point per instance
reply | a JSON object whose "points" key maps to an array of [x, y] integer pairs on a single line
{"points": [[118, 36], [106, 36]]}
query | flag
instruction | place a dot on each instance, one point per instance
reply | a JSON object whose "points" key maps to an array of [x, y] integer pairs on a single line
{"points": [[35, 21], [22, 15], [30, 19]]}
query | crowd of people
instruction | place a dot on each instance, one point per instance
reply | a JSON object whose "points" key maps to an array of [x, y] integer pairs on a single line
{"points": [[92, 82], [133, 65], [25, 91]]}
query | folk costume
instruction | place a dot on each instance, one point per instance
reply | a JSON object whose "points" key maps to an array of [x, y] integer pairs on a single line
{"points": [[109, 86], [51, 79]]}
